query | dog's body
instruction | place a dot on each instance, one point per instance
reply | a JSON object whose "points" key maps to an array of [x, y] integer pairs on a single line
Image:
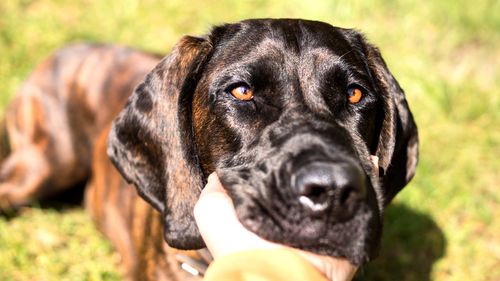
{"points": [[55, 133], [54, 120], [288, 112]]}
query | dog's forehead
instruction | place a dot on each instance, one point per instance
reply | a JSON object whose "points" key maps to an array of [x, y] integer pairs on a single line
{"points": [[282, 40]]}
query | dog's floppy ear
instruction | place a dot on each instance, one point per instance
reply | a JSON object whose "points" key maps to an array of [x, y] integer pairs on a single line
{"points": [[397, 147], [151, 141]]}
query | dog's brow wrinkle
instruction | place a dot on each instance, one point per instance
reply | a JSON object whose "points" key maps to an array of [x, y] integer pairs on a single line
{"points": [[308, 71]]}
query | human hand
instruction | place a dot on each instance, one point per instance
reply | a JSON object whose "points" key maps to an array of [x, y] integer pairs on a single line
{"points": [[224, 234]]}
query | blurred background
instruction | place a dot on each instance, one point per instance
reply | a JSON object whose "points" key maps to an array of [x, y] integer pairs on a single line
{"points": [[446, 55]]}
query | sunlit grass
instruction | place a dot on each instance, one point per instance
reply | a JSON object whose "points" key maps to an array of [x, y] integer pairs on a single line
{"points": [[50, 245], [444, 226]]}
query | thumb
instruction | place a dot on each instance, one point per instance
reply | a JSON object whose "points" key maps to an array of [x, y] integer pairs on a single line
{"points": [[218, 224]]}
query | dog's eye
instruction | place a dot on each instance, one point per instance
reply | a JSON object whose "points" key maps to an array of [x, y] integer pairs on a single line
{"points": [[354, 94], [242, 92]]}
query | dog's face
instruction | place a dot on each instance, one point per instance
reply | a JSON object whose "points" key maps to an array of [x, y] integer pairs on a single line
{"points": [[288, 113]]}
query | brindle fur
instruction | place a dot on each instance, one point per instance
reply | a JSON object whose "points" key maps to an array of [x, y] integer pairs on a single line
{"points": [[134, 228], [52, 123], [55, 133]]}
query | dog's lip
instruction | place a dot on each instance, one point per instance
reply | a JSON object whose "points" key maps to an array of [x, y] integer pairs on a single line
{"points": [[316, 237], [308, 235]]}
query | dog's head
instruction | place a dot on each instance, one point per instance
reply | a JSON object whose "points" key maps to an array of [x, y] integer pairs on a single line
{"points": [[288, 112]]}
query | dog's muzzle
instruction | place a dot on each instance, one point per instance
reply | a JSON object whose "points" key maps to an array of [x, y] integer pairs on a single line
{"points": [[303, 185]]}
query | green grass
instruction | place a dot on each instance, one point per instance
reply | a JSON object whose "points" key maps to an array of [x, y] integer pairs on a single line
{"points": [[45, 244], [446, 54]]}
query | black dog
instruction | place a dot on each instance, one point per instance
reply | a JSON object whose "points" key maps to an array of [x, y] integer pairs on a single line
{"points": [[288, 113]]}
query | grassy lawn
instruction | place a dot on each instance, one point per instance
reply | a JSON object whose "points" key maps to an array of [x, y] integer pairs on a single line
{"points": [[446, 54]]}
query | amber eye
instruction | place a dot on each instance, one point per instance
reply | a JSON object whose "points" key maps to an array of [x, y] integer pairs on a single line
{"points": [[242, 92], [354, 95]]}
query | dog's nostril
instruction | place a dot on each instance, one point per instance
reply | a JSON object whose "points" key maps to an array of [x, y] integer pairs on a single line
{"points": [[314, 187], [314, 196], [315, 192], [347, 193]]}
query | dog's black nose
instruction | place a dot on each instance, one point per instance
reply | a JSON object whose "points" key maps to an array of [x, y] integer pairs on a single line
{"points": [[322, 185]]}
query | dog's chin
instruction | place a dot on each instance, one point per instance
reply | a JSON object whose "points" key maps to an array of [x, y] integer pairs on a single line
{"points": [[355, 239]]}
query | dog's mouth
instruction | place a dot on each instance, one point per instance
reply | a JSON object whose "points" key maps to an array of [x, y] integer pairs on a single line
{"points": [[323, 205]]}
